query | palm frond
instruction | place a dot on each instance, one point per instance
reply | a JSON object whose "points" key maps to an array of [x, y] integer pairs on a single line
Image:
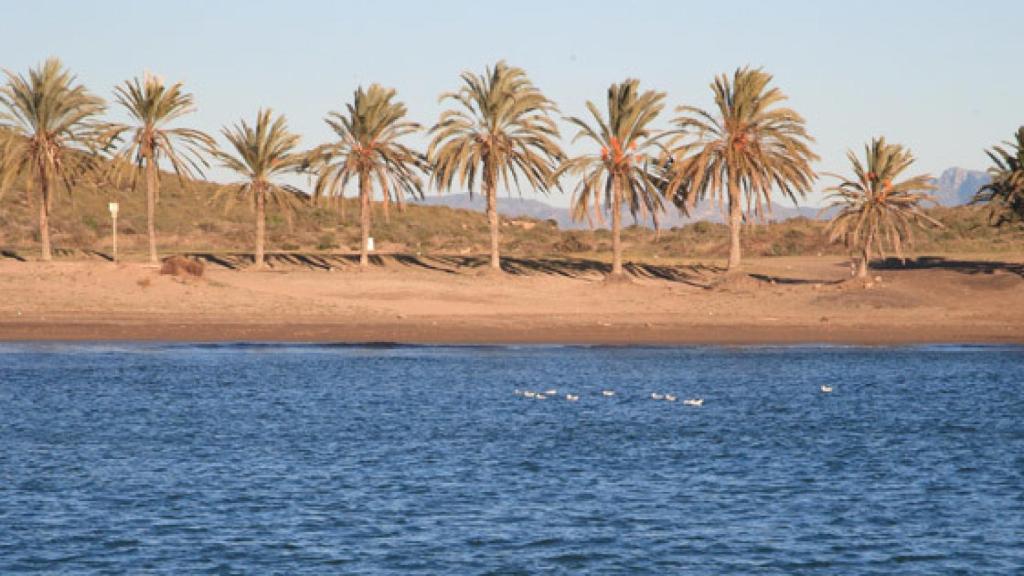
{"points": [[152, 107], [875, 210], [369, 146], [50, 124], [262, 153], [748, 140], [1005, 192], [501, 130], [628, 154]]}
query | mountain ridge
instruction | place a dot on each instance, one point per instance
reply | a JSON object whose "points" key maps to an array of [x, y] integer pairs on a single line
{"points": [[956, 187]]}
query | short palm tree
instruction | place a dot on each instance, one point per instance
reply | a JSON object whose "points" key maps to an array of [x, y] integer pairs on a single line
{"points": [[874, 210], [369, 150], [750, 147], [262, 153], [1005, 193], [52, 134], [500, 132], [152, 106], [623, 173]]}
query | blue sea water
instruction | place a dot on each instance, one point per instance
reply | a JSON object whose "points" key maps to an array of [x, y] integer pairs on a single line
{"points": [[310, 459]]}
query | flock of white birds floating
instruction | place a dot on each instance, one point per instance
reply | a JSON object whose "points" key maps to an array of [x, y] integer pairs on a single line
{"points": [[663, 397]]}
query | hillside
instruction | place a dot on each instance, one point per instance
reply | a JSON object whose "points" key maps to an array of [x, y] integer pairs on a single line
{"points": [[189, 221]]}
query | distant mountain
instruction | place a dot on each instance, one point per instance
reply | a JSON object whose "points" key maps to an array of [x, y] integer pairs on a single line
{"points": [[508, 206], [957, 186], [513, 207], [710, 211]]}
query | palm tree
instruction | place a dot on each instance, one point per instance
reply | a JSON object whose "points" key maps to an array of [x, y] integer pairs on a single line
{"points": [[152, 105], [52, 136], [263, 152], [368, 149], [623, 172], [874, 209], [6, 176], [1005, 193], [501, 131], [750, 147]]}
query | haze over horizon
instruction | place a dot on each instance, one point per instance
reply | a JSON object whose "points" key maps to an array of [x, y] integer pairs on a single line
{"points": [[930, 75]]}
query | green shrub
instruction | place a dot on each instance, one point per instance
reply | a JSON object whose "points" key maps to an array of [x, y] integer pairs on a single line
{"points": [[326, 242], [702, 227]]}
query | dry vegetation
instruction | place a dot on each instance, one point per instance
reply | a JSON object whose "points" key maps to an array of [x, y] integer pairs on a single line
{"points": [[188, 221]]}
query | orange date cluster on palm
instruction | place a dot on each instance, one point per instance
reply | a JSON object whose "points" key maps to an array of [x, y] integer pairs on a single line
{"points": [[618, 156], [740, 142]]}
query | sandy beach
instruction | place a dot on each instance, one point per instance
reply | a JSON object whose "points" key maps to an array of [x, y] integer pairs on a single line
{"points": [[448, 300]]}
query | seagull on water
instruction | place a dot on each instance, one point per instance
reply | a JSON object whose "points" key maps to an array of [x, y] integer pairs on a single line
{"points": [[698, 402], [608, 393], [826, 389], [670, 397], [551, 392], [572, 397], [656, 396]]}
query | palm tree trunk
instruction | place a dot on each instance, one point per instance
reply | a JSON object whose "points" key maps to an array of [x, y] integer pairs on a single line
{"points": [[44, 212], [492, 219], [261, 225], [865, 260], [364, 220], [616, 229], [735, 222], [44, 220], [151, 184]]}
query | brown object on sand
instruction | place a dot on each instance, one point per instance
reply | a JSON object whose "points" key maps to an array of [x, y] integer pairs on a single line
{"points": [[182, 266]]}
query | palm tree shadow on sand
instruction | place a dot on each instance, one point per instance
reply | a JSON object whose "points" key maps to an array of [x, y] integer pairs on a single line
{"points": [[697, 275], [940, 263], [12, 255], [789, 281]]}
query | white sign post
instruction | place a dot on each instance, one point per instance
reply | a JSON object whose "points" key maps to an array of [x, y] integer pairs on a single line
{"points": [[113, 214]]}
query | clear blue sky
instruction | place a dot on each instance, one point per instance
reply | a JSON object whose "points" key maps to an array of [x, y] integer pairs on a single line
{"points": [[939, 76]]}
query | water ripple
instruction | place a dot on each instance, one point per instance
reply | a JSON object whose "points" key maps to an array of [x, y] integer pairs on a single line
{"points": [[391, 459]]}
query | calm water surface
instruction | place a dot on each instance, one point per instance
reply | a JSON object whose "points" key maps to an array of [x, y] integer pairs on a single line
{"points": [[224, 459]]}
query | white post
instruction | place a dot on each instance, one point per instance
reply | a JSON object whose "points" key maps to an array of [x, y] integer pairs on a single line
{"points": [[369, 244], [113, 214]]}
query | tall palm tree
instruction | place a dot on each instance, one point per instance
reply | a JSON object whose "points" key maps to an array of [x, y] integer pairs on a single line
{"points": [[152, 106], [263, 152], [1005, 193], [52, 134], [748, 148], [623, 172], [874, 209], [368, 150], [501, 131]]}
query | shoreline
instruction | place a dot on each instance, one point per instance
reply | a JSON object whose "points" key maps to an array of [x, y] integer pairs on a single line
{"points": [[418, 333]]}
